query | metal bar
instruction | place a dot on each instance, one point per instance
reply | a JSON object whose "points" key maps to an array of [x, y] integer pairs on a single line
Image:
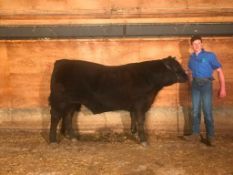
{"points": [[114, 30]]}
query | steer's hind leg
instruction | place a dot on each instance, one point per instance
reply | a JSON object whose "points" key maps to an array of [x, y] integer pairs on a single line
{"points": [[63, 128], [133, 124], [53, 126], [67, 121]]}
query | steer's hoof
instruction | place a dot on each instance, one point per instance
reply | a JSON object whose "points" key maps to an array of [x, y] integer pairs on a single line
{"points": [[53, 144], [135, 135], [52, 140], [144, 144], [74, 140]]}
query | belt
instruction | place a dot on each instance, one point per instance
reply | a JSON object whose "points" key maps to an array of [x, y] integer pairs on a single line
{"points": [[203, 79]]}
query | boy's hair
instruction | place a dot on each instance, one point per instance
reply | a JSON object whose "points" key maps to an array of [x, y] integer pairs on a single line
{"points": [[195, 37]]}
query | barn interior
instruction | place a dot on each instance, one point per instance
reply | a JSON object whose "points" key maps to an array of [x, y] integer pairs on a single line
{"points": [[33, 34], [36, 33]]}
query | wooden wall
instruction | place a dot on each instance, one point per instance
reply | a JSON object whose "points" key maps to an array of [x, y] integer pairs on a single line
{"points": [[26, 65], [113, 11]]}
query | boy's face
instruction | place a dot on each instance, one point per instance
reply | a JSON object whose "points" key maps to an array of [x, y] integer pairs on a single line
{"points": [[197, 46]]}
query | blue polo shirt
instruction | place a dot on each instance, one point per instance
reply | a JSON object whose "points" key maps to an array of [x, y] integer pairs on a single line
{"points": [[203, 64]]}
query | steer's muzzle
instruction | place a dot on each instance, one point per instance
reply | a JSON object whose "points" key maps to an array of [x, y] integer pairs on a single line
{"points": [[182, 77]]}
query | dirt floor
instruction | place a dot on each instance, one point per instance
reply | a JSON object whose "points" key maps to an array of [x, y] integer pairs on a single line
{"points": [[28, 153]]}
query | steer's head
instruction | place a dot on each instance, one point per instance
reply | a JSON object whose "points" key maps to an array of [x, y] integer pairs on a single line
{"points": [[174, 67]]}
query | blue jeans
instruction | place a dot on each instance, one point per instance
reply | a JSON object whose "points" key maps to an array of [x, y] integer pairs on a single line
{"points": [[202, 99]]}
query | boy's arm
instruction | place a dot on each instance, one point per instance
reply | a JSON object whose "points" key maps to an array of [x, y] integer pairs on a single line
{"points": [[222, 91]]}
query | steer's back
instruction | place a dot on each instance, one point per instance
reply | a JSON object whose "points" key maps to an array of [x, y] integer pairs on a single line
{"points": [[71, 71]]}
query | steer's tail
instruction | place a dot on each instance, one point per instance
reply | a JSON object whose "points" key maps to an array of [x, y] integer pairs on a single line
{"points": [[55, 88]]}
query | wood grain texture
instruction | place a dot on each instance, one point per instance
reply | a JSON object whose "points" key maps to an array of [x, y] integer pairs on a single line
{"points": [[108, 11]]}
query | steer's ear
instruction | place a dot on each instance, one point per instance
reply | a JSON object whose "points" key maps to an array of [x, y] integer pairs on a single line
{"points": [[168, 63], [171, 57]]}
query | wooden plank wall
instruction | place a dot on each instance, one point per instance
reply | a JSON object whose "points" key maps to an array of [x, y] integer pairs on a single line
{"points": [[26, 65], [113, 11]]}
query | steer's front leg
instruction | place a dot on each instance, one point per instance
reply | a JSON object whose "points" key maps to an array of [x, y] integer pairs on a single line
{"points": [[140, 116], [133, 123]]}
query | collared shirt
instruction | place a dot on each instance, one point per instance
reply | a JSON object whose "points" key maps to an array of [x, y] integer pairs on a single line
{"points": [[203, 64]]}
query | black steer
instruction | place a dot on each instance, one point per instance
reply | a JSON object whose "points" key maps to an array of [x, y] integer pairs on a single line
{"points": [[130, 87]]}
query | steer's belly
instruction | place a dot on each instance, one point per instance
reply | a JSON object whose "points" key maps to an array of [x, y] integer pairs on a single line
{"points": [[105, 106]]}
